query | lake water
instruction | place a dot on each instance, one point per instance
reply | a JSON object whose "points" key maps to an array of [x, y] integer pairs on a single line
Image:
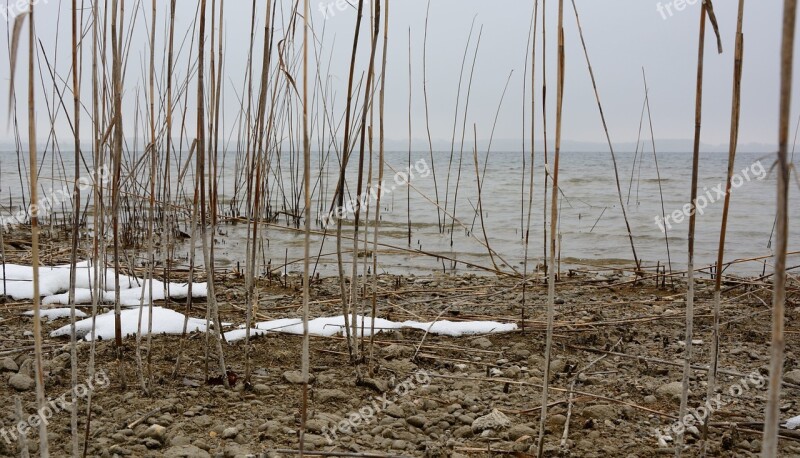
{"points": [[591, 225]]}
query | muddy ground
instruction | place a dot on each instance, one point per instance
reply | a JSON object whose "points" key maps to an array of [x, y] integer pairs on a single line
{"points": [[618, 348]]}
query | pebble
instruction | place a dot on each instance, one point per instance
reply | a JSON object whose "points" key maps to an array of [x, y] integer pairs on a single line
{"points": [[156, 432], [793, 376], [296, 377], [671, 391], [20, 382], [229, 433], [482, 342], [186, 451], [8, 364], [495, 420], [418, 420]]}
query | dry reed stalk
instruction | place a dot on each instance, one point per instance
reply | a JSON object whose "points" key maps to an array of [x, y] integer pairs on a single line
{"points": [[410, 93], [44, 447], [212, 310], [427, 114], [772, 414], [689, 332], [463, 135], [608, 139], [354, 282], [339, 195], [455, 120], [117, 9], [76, 201], [734, 139], [381, 138], [544, 133], [658, 170], [98, 214], [532, 161], [307, 234], [551, 282]]}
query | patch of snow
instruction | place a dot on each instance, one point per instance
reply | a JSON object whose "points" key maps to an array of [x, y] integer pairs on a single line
{"points": [[54, 283], [792, 423], [54, 314], [165, 321], [331, 326]]}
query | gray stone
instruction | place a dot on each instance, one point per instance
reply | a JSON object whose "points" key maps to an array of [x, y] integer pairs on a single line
{"points": [[495, 420], [8, 364], [260, 388], [20, 382], [600, 412], [395, 351], [296, 377], [482, 342], [229, 433], [156, 432], [520, 431], [419, 421], [186, 451], [178, 441], [670, 391], [395, 411], [793, 376]]}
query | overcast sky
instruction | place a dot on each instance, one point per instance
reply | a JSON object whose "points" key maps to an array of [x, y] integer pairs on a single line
{"points": [[623, 36]]}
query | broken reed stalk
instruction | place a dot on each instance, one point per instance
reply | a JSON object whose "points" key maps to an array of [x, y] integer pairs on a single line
{"points": [[307, 232], [76, 208], [608, 139], [551, 281], [44, 448], [376, 230], [734, 139], [687, 366], [772, 414]]}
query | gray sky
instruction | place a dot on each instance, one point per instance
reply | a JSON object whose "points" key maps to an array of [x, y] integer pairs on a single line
{"points": [[622, 36]]}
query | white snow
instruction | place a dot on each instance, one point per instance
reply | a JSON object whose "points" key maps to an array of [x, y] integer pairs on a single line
{"points": [[165, 321], [54, 314], [54, 283], [331, 326], [792, 423]]}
